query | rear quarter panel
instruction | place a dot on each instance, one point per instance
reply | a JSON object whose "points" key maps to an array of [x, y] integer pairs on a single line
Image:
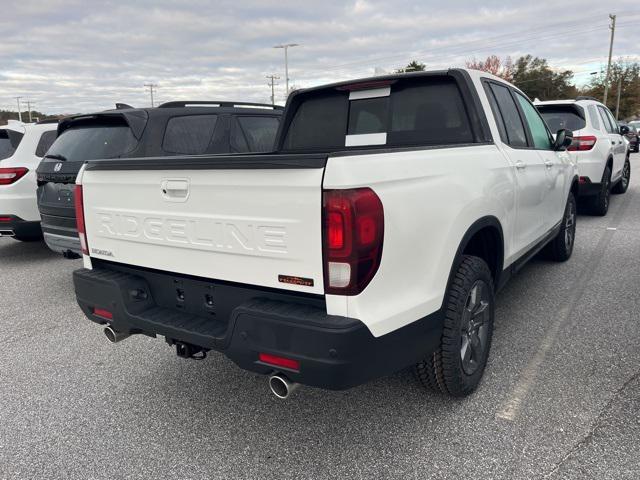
{"points": [[431, 197]]}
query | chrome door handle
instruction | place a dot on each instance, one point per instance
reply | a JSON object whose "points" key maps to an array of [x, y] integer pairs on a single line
{"points": [[520, 165], [548, 164]]}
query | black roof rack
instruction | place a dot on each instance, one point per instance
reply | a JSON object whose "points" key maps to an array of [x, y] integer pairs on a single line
{"points": [[586, 97], [48, 120], [182, 104]]}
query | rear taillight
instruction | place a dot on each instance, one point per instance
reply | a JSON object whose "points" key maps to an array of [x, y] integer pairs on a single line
{"points": [[581, 144], [79, 203], [353, 233], [11, 175]]}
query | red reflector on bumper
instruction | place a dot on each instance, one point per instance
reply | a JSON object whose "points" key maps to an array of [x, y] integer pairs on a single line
{"points": [[277, 361], [100, 312], [5, 219]]}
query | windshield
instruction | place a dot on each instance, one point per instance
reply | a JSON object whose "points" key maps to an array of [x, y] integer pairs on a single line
{"points": [[93, 142], [9, 141], [559, 117]]}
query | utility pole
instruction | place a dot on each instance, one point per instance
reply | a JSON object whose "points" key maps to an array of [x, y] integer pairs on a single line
{"points": [[151, 86], [29, 108], [19, 112], [612, 27], [286, 46], [273, 78], [618, 100]]}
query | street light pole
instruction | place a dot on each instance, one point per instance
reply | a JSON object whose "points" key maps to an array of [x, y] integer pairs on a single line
{"points": [[286, 46]]}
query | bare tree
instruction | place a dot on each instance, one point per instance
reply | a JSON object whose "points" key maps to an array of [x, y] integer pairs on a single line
{"points": [[500, 67]]}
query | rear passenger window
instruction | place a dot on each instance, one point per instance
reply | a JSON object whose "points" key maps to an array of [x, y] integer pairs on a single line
{"points": [[537, 127], [46, 140], [496, 113], [510, 116], [254, 134], [189, 135]]}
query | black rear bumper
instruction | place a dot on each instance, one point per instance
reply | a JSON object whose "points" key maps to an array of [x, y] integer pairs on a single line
{"points": [[12, 226], [333, 352]]}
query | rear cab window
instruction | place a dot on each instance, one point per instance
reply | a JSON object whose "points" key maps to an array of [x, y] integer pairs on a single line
{"points": [[418, 111], [9, 142], [558, 117], [91, 140]]}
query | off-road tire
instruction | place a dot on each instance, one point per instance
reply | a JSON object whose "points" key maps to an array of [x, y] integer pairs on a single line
{"points": [[443, 370]]}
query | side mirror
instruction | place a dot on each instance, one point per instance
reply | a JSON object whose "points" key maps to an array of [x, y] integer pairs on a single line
{"points": [[564, 138], [624, 130]]}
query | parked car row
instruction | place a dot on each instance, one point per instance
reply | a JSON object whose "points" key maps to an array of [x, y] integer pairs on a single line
{"points": [[370, 233]]}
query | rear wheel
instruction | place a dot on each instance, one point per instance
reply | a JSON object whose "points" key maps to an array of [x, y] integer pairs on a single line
{"points": [[457, 366], [561, 247], [623, 184], [600, 205]]}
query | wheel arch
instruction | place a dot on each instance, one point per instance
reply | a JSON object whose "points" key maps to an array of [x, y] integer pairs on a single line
{"points": [[484, 239]]}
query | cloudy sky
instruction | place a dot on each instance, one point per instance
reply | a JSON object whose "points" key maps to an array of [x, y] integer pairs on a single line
{"points": [[83, 55]]}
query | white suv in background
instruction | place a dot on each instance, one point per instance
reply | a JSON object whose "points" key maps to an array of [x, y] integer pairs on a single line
{"points": [[598, 146], [22, 146]]}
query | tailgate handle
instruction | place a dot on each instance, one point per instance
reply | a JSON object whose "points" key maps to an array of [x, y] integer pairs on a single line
{"points": [[175, 189]]}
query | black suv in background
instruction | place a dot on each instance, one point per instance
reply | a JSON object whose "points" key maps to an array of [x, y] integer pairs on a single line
{"points": [[633, 135], [174, 128]]}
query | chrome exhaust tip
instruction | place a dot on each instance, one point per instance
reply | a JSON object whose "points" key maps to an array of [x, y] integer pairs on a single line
{"points": [[281, 386], [114, 336], [7, 233]]}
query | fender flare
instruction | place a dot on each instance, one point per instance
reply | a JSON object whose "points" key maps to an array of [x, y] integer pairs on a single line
{"points": [[487, 221]]}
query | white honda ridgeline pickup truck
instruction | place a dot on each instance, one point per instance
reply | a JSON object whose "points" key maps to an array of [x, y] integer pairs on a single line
{"points": [[374, 238]]}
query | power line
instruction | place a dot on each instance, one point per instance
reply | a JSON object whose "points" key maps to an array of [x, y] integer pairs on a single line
{"points": [[497, 40]]}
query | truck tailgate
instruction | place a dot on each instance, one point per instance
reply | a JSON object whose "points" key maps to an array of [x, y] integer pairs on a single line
{"points": [[248, 224]]}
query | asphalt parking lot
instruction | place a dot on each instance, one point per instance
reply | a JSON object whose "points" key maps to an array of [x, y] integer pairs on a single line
{"points": [[560, 398]]}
